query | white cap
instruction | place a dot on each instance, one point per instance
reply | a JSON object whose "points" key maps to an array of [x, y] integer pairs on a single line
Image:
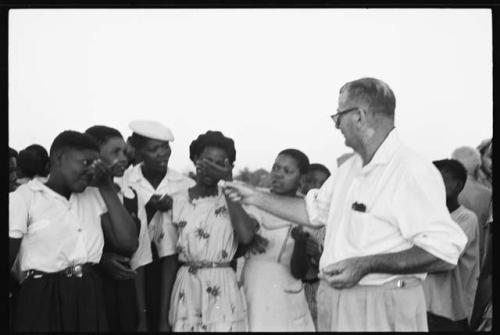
{"points": [[151, 129]]}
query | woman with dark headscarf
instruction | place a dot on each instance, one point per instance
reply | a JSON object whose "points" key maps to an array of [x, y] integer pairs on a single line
{"points": [[206, 295]]}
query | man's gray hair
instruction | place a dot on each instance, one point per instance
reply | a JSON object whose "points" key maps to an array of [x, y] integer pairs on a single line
{"points": [[377, 94], [469, 157]]}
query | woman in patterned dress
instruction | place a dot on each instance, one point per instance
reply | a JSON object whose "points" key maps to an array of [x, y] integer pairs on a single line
{"points": [[206, 295]]}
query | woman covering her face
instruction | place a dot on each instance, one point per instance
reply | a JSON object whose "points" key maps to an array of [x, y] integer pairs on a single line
{"points": [[276, 300], [117, 275], [206, 295]]}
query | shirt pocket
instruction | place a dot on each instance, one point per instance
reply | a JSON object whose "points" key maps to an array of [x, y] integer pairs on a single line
{"points": [[38, 225], [367, 229]]}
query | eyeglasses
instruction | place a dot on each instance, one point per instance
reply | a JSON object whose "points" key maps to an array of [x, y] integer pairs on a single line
{"points": [[336, 117]]}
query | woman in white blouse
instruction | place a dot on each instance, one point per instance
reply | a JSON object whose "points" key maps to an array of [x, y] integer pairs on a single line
{"points": [[55, 229]]}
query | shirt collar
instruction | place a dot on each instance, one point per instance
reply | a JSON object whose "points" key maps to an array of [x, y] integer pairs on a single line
{"points": [[136, 174], [386, 150], [37, 186]]}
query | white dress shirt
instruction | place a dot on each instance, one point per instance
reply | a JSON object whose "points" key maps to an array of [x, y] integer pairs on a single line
{"points": [[405, 201], [160, 229], [56, 232]]}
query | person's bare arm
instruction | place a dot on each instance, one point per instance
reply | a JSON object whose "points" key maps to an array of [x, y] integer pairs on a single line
{"points": [[14, 244], [288, 208], [349, 272]]}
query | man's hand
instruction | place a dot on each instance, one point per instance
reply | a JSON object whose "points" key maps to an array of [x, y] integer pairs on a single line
{"points": [[215, 171], [258, 245], [240, 192], [346, 273], [117, 266], [160, 203]]}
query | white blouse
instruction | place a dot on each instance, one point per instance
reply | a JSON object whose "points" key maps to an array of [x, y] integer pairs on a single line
{"points": [[56, 232]]}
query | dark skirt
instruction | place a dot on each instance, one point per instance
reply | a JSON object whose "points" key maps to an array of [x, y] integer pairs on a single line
{"points": [[152, 283], [120, 302], [56, 303]]}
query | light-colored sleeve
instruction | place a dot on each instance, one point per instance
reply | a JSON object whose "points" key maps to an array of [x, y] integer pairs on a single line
{"points": [[419, 207], [254, 213], [94, 194], [165, 235], [143, 254], [18, 214], [318, 203], [471, 229]]}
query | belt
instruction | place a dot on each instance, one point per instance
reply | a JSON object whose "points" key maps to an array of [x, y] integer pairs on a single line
{"points": [[310, 281], [195, 266], [76, 270], [403, 282]]}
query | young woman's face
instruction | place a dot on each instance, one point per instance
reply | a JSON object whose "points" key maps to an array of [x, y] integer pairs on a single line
{"points": [[113, 156], [313, 179], [285, 175], [75, 166], [212, 154], [155, 154]]}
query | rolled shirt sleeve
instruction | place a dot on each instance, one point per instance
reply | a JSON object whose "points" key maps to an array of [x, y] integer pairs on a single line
{"points": [[318, 203], [18, 213], [164, 233], [420, 211]]}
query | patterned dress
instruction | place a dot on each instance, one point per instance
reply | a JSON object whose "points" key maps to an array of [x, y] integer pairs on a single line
{"points": [[205, 299]]}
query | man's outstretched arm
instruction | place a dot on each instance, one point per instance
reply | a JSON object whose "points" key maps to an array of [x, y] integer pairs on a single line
{"points": [[288, 208]]}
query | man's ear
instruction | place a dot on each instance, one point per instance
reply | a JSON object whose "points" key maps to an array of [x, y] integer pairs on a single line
{"points": [[459, 186], [360, 118], [56, 158]]}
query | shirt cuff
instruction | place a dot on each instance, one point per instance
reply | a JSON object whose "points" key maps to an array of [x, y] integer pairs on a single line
{"points": [[312, 209]]}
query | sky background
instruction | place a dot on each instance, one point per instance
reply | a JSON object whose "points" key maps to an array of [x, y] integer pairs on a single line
{"points": [[268, 78]]}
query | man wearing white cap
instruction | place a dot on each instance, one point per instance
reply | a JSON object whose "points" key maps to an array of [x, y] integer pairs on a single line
{"points": [[154, 181]]}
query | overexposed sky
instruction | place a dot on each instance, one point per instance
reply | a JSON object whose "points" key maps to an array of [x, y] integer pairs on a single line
{"points": [[268, 78]]}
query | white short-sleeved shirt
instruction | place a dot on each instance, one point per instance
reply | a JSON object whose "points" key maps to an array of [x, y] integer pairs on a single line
{"points": [[451, 294], [405, 201], [56, 232], [160, 229]]}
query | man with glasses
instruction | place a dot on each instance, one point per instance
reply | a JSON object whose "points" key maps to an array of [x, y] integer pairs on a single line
{"points": [[386, 220]]}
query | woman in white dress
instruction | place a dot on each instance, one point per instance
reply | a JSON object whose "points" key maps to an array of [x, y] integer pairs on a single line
{"points": [[275, 299], [206, 295]]}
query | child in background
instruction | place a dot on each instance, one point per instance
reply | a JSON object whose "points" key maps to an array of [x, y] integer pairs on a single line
{"points": [[450, 295], [33, 162], [309, 242]]}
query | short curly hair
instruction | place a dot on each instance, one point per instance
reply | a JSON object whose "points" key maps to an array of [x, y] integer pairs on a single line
{"points": [[212, 138], [300, 157]]}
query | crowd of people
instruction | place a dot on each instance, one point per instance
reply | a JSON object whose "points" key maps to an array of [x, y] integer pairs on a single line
{"points": [[105, 236]]}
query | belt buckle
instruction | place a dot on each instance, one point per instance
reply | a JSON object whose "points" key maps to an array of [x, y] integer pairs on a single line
{"points": [[400, 283], [74, 270]]}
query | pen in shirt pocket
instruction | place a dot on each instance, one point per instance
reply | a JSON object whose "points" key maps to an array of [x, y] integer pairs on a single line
{"points": [[359, 207]]}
